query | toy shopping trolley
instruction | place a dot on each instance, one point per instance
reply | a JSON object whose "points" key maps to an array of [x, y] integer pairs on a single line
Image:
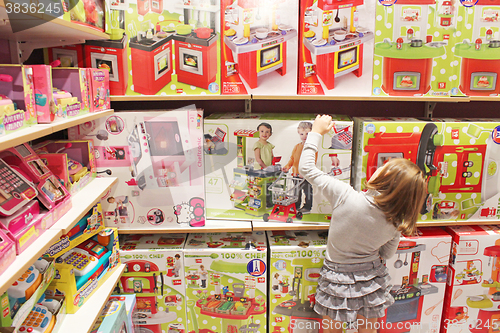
{"points": [[285, 194]]}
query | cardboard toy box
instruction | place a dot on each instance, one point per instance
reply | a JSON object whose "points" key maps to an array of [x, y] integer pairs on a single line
{"points": [[154, 273], [471, 301], [459, 157], [17, 98], [98, 259], [145, 36], [296, 258], [414, 43], [73, 88], [336, 58], [226, 286], [476, 51], [158, 157], [259, 47], [99, 91], [131, 308], [113, 318], [238, 189]]}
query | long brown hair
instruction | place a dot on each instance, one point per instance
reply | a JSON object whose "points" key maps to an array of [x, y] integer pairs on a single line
{"points": [[402, 189]]}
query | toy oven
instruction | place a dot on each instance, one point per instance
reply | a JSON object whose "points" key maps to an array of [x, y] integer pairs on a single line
{"points": [[143, 7], [157, 6], [270, 57], [347, 59], [191, 61], [108, 60], [68, 58], [162, 63]]}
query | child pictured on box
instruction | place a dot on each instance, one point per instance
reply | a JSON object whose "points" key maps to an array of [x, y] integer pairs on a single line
{"points": [[263, 149], [365, 228], [303, 129]]}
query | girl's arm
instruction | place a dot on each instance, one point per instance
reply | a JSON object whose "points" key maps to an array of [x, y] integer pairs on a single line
{"points": [[333, 189], [258, 159], [388, 250]]}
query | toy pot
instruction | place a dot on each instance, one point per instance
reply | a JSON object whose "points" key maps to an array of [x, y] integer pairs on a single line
{"points": [[183, 29], [203, 32], [261, 33], [339, 34]]}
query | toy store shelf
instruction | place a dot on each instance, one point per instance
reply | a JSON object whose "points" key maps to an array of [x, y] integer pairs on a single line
{"points": [[83, 201], [39, 130], [85, 318], [484, 98], [289, 226], [210, 226], [28, 257], [49, 31], [448, 223], [144, 98], [364, 98]]}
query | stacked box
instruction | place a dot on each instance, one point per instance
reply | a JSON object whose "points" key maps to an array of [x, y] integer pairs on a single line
{"points": [[459, 157], [471, 301], [158, 159], [226, 285], [154, 273], [296, 258], [239, 188]]}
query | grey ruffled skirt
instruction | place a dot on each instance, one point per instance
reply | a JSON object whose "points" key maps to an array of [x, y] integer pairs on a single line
{"points": [[346, 290]]}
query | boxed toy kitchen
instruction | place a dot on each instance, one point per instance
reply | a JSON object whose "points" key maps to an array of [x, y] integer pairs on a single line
{"points": [[251, 166], [296, 258], [259, 47], [471, 301], [158, 159], [460, 159], [336, 47], [414, 42], [145, 35], [226, 286], [154, 272]]}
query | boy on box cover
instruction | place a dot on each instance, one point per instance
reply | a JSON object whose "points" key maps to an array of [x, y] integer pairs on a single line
{"points": [[303, 129]]}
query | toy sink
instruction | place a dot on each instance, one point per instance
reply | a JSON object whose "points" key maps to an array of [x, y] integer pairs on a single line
{"points": [[407, 51], [486, 52]]}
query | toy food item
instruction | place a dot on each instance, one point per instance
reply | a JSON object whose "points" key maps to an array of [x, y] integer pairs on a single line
{"points": [[483, 82], [230, 32], [406, 82], [309, 34]]}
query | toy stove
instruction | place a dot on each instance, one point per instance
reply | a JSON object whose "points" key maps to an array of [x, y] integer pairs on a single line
{"points": [[111, 55], [407, 60], [300, 307], [196, 59], [248, 53], [160, 152], [429, 151], [151, 62], [480, 68], [336, 51], [488, 304], [409, 296]]}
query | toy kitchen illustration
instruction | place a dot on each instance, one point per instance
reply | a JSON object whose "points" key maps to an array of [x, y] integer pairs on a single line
{"points": [[256, 38], [334, 37], [480, 50]]}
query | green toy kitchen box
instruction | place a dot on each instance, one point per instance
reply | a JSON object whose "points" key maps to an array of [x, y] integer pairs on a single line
{"points": [[460, 159], [251, 166], [154, 273], [296, 258], [226, 285]]}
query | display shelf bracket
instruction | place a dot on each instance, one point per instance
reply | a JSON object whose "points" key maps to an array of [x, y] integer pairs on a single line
{"points": [[429, 109], [248, 105]]}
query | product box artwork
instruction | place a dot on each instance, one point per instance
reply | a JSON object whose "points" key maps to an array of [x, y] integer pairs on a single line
{"points": [[460, 159], [154, 272], [226, 285], [251, 166], [158, 158], [296, 258], [471, 301]]}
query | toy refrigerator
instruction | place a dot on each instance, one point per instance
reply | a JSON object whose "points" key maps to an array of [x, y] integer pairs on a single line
{"points": [[158, 159], [414, 43], [226, 286], [296, 258], [259, 47], [336, 47], [460, 160], [154, 273], [240, 188], [418, 273], [471, 301]]}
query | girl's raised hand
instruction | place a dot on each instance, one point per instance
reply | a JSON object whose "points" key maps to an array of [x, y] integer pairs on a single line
{"points": [[322, 124]]}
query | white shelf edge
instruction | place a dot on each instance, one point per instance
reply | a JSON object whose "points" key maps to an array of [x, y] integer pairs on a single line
{"points": [[263, 226], [40, 130], [83, 201], [27, 258], [210, 226], [90, 311]]}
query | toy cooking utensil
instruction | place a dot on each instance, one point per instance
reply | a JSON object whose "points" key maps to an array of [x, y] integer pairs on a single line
{"points": [[406, 260], [398, 263]]}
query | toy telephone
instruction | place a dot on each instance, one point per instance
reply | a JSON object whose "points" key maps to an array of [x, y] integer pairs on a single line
{"points": [[88, 259], [22, 289], [40, 320], [15, 190]]}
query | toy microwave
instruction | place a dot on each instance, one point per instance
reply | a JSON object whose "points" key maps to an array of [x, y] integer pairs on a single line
{"points": [[82, 270]]}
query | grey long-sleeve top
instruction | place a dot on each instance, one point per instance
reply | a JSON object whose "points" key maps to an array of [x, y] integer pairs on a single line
{"points": [[359, 231]]}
